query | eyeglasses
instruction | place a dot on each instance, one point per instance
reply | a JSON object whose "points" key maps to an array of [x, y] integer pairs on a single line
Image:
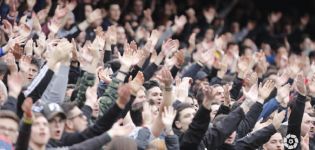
{"points": [[81, 115], [7, 130]]}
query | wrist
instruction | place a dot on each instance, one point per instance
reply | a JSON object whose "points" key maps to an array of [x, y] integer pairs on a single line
{"points": [[14, 94], [124, 68], [108, 46], [240, 75]]}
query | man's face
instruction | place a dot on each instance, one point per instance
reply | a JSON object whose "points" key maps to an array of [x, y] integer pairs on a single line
{"points": [[40, 131], [78, 120], [32, 72], [275, 143], [138, 7], [56, 126], [219, 98], [185, 118], [114, 12], [306, 124], [140, 96], [155, 95], [9, 129]]}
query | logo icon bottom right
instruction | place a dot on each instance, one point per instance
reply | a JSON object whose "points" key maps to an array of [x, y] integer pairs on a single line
{"points": [[291, 141]]}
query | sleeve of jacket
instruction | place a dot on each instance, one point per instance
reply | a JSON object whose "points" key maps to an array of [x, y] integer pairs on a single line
{"points": [[217, 135], [268, 108], [223, 110], [256, 139], [174, 71], [36, 88], [143, 138], [235, 91], [103, 124], [109, 97], [192, 71], [24, 136], [93, 143], [248, 123], [56, 89], [87, 111], [196, 131], [296, 116], [149, 71], [10, 104], [107, 56], [172, 142], [87, 80]]}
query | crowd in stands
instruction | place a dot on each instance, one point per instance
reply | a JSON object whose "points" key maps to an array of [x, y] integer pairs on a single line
{"points": [[157, 75]]}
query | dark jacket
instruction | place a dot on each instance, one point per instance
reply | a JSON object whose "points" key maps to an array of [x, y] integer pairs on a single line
{"points": [[198, 136]]}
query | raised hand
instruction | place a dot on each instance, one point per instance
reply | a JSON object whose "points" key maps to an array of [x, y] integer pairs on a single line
{"points": [[209, 94], [147, 114], [192, 41], [300, 84], [166, 77], [27, 108], [7, 27], [154, 37], [182, 88], [128, 59], [105, 75], [311, 86], [95, 15], [180, 21], [265, 90], [251, 78], [283, 93], [41, 45], [179, 58], [91, 96], [15, 83], [305, 142], [252, 93], [277, 119], [10, 61], [30, 4], [111, 35], [243, 67], [227, 97], [28, 49], [118, 129], [136, 83], [25, 63], [54, 27], [168, 116], [124, 92]]}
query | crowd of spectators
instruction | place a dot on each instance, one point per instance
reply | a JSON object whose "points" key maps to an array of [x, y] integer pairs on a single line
{"points": [[157, 75]]}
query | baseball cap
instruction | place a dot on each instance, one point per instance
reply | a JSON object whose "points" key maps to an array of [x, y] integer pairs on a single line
{"points": [[201, 75], [52, 110]]}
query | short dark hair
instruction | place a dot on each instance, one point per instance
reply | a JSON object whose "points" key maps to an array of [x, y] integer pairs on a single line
{"points": [[35, 62], [179, 109], [7, 114], [150, 84]]}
